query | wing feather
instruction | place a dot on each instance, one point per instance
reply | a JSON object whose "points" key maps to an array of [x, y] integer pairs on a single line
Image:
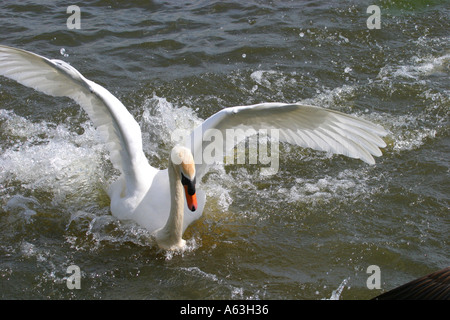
{"points": [[303, 125], [57, 78]]}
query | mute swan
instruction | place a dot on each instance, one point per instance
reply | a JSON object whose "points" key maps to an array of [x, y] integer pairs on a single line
{"points": [[152, 197]]}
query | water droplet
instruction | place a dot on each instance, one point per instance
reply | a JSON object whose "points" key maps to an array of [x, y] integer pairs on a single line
{"points": [[63, 52]]}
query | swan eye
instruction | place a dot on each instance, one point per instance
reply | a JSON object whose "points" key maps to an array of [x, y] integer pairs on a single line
{"points": [[189, 183]]}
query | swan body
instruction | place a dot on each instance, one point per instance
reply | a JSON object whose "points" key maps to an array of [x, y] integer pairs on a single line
{"points": [[154, 198]]}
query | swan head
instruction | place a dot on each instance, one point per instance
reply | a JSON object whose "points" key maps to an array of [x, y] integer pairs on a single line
{"points": [[182, 158]]}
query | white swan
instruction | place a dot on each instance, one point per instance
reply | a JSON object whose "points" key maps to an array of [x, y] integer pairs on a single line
{"points": [[154, 198]]}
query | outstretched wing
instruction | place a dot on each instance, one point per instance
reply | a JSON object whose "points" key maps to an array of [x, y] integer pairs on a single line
{"points": [[302, 125], [57, 78]]}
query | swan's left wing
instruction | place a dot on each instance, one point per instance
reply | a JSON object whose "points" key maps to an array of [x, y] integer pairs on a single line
{"points": [[303, 125], [57, 78]]}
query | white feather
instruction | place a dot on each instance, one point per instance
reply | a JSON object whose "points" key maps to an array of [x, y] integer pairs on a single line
{"points": [[302, 125]]}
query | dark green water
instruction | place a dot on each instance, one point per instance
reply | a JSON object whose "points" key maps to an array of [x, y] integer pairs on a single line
{"points": [[311, 229]]}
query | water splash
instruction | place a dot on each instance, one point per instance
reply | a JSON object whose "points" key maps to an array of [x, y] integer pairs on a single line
{"points": [[159, 119], [418, 68], [44, 156], [336, 294], [63, 52]]}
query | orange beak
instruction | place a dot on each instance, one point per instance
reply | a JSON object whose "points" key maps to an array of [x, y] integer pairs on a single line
{"points": [[191, 199]]}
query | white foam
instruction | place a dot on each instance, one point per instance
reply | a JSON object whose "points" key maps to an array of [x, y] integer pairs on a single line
{"points": [[236, 292], [408, 133], [274, 80], [418, 68], [87, 231], [261, 77], [159, 119], [346, 183], [332, 97], [199, 272], [47, 156], [22, 205]]}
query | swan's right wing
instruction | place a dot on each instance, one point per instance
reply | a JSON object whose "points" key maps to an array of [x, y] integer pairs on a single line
{"points": [[57, 78], [303, 125]]}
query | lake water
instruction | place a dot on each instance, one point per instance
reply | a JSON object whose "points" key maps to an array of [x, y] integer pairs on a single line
{"points": [[309, 232]]}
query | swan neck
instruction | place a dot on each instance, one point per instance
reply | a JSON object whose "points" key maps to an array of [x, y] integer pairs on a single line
{"points": [[174, 225]]}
